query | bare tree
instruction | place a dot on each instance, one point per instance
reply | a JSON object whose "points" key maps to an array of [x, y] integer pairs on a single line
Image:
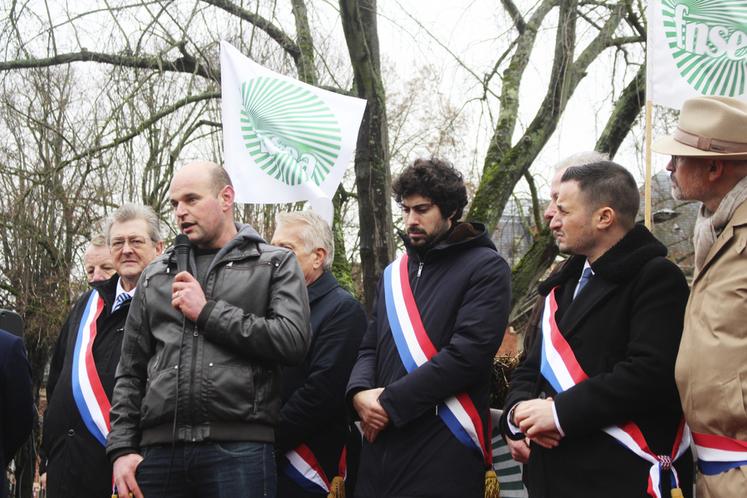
{"points": [[617, 25]]}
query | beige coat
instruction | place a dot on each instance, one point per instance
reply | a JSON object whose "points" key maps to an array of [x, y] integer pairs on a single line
{"points": [[711, 369]]}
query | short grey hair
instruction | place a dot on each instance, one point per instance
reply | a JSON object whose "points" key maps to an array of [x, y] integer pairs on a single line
{"points": [[581, 159], [130, 211], [314, 232]]}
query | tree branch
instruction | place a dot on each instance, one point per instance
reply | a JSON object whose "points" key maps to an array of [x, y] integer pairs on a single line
{"points": [[142, 127], [627, 108], [277, 34], [516, 16], [156, 63]]}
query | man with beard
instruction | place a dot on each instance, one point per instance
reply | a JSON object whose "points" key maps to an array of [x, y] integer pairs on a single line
{"points": [[709, 164], [596, 394], [421, 382], [81, 374]]}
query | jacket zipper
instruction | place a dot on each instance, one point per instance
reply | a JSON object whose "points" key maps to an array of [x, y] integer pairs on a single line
{"points": [[193, 375], [417, 276]]}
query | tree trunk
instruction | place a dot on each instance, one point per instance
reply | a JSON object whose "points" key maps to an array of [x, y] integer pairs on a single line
{"points": [[372, 177]]}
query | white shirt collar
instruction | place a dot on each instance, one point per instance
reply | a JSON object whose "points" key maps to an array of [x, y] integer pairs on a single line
{"points": [[120, 290], [586, 265]]}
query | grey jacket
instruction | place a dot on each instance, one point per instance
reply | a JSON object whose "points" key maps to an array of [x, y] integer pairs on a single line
{"points": [[224, 369]]}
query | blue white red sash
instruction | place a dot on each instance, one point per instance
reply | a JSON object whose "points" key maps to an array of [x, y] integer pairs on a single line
{"points": [[415, 348], [562, 370], [88, 392], [717, 454], [304, 469]]}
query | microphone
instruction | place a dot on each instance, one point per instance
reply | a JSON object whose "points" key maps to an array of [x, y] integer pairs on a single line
{"points": [[182, 247]]}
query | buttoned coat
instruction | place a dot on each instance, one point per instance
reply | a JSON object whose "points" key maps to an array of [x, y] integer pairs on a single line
{"points": [[76, 461], [711, 369], [624, 328], [313, 410]]}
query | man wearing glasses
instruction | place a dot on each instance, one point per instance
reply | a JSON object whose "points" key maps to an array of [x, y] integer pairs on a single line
{"points": [[81, 376], [420, 384]]}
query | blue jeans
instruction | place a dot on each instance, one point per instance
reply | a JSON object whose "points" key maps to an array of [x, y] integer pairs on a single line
{"points": [[208, 470]]}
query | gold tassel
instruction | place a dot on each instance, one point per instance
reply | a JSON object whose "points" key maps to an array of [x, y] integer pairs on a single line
{"points": [[492, 486], [337, 488], [677, 493]]}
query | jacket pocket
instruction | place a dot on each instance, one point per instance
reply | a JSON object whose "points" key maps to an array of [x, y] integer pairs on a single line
{"points": [[229, 393], [158, 403], [721, 408]]}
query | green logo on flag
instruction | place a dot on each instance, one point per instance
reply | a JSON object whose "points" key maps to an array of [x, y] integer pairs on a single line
{"points": [[290, 132], [708, 39]]}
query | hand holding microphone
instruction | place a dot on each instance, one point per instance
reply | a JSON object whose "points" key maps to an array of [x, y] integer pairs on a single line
{"points": [[186, 292]]}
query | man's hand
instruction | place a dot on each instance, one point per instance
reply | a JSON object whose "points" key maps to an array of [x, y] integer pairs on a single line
{"points": [[373, 416], [369, 432], [187, 295], [535, 419], [124, 475], [519, 449]]}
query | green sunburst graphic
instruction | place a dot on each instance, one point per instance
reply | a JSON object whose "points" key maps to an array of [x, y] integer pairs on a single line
{"points": [[708, 40], [290, 132]]}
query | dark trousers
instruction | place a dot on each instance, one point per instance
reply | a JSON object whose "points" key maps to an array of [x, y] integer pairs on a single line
{"points": [[208, 470]]}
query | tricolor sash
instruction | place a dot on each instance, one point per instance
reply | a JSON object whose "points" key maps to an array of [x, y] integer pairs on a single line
{"points": [[304, 469], [88, 392], [415, 348], [717, 454], [562, 370]]}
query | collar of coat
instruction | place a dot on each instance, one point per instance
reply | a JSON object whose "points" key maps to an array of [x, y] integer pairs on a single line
{"points": [[463, 235], [322, 286], [107, 289], [619, 264]]}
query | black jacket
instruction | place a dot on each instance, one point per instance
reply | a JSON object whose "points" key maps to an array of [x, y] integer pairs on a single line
{"points": [[225, 369], [313, 409], [462, 290], [624, 328], [16, 400], [76, 462]]}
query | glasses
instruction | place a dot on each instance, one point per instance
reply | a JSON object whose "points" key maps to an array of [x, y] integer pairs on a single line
{"points": [[417, 209], [134, 242]]}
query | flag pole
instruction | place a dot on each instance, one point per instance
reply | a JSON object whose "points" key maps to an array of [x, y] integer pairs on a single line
{"points": [[647, 184]]}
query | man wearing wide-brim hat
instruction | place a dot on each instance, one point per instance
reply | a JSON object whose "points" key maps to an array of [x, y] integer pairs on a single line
{"points": [[709, 164]]}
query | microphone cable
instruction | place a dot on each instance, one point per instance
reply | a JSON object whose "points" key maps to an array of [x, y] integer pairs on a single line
{"points": [[182, 248]]}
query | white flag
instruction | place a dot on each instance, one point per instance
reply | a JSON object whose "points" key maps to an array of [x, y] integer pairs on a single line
{"points": [[284, 140], [696, 47]]}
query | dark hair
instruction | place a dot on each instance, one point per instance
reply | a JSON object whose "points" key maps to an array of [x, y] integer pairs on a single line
{"points": [[606, 183], [437, 180]]}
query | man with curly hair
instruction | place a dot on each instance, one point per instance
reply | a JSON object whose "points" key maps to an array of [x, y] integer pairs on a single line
{"points": [[420, 384]]}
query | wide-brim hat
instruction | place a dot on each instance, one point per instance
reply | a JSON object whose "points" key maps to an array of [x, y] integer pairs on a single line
{"points": [[709, 127]]}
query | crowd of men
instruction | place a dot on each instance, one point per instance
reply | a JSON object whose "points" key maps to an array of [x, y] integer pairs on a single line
{"points": [[225, 366]]}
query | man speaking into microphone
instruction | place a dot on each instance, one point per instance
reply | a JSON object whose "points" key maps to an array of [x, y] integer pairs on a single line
{"points": [[197, 394]]}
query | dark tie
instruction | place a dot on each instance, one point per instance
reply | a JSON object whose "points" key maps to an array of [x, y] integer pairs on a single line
{"points": [[121, 299], [585, 276]]}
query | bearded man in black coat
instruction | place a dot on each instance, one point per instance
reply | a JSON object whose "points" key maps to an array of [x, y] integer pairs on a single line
{"points": [[602, 373], [440, 316]]}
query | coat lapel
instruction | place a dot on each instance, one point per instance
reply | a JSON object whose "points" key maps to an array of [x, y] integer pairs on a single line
{"points": [[595, 291]]}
